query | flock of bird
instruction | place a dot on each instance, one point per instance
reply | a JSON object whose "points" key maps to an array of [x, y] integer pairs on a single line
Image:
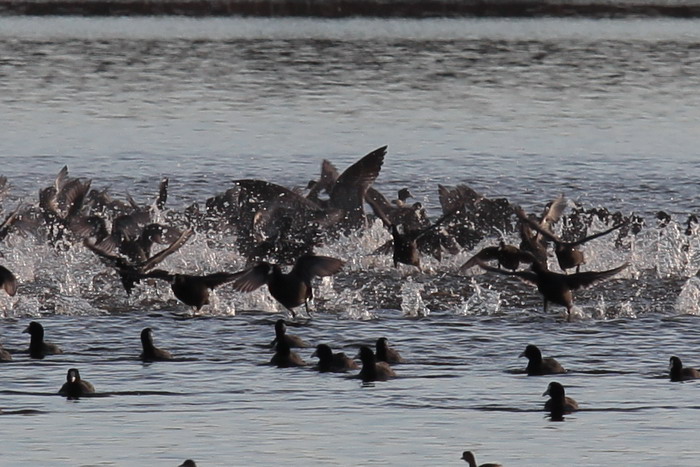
{"points": [[276, 226]]}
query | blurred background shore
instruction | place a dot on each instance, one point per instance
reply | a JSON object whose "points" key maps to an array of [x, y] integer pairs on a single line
{"points": [[348, 8]]}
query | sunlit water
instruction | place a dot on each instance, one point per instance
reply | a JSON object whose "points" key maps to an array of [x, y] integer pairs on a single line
{"points": [[603, 111]]}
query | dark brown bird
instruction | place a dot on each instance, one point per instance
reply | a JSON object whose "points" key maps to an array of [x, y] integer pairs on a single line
{"points": [[285, 358], [372, 370], [534, 242], [293, 288], [386, 353], [508, 256], [333, 362], [679, 373], [74, 386], [554, 287], [281, 333], [8, 281], [151, 353], [190, 289], [188, 463], [469, 458], [568, 254], [559, 404], [537, 365], [37, 347]]}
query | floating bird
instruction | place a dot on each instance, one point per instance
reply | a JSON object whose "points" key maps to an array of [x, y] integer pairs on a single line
{"points": [[508, 256], [559, 404], [555, 287], [74, 386], [385, 353], [8, 281], [568, 254], [372, 370], [293, 288], [333, 362], [37, 347], [190, 289], [469, 458], [151, 353], [537, 365], [188, 463], [679, 373], [284, 357], [281, 333]]}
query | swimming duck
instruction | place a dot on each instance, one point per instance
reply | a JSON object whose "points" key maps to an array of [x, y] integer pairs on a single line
{"points": [[333, 362], [284, 357], [537, 365], [150, 352], [386, 353], [37, 347], [469, 458], [74, 386], [281, 333], [680, 373], [372, 370], [559, 404]]}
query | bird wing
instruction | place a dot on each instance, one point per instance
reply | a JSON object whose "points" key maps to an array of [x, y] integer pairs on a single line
{"points": [[252, 278], [526, 276], [596, 235], [310, 266], [161, 255], [162, 193], [109, 259], [585, 279], [553, 213], [487, 254], [218, 278], [538, 226], [349, 189]]}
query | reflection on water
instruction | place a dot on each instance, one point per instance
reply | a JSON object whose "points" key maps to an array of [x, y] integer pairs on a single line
{"points": [[601, 111]]}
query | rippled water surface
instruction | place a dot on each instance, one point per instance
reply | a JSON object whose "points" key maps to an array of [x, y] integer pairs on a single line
{"points": [[604, 111]]}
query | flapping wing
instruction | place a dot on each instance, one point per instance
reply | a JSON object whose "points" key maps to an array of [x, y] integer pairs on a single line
{"points": [[487, 254], [585, 279], [525, 276], [253, 278], [218, 278], [161, 255], [162, 193], [553, 213], [537, 226], [349, 189], [309, 266], [596, 235]]}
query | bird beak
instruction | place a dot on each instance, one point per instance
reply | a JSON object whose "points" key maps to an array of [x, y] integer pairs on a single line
{"points": [[521, 355], [546, 393], [315, 354], [26, 331]]}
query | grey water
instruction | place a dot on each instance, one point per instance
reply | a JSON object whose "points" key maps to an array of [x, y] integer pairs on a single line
{"points": [[605, 112]]}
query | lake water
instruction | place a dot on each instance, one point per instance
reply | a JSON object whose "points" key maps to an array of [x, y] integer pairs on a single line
{"points": [[605, 112]]}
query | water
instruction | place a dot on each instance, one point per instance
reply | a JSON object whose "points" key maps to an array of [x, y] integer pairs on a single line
{"points": [[603, 111]]}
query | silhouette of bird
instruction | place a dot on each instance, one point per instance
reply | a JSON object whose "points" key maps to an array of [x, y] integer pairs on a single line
{"points": [[333, 362], [555, 287], [150, 352], [291, 289], [537, 365], [281, 333], [508, 256], [559, 404], [37, 347], [190, 289], [469, 458], [386, 353], [372, 370], [679, 373], [74, 386]]}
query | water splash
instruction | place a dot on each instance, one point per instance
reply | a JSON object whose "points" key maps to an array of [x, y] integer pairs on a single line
{"points": [[484, 301], [411, 301], [689, 297]]}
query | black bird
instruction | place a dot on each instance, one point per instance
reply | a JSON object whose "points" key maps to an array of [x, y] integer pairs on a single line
{"points": [[150, 352], [333, 362], [558, 405], [568, 254], [372, 370], [555, 287], [188, 463], [679, 373], [508, 256], [291, 289], [534, 242], [386, 353], [537, 365], [281, 334], [37, 347], [75, 387], [8, 281], [285, 358], [131, 273], [189, 289], [469, 458]]}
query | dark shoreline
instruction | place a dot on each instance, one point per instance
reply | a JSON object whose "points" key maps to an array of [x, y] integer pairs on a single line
{"points": [[347, 8]]}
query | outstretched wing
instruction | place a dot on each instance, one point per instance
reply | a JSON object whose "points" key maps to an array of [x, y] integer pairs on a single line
{"points": [[218, 278], [585, 279], [525, 276], [596, 235], [309, 266], [253, 278], [349, 189], [487, 254], [161, 255]]}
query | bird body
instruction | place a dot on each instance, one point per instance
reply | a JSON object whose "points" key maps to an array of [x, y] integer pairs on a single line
{"points": [[37, 347], [537, 365], [678, 372], [328, 361], [372, 370], [559, 404], [150, 351], [74, 386]]}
